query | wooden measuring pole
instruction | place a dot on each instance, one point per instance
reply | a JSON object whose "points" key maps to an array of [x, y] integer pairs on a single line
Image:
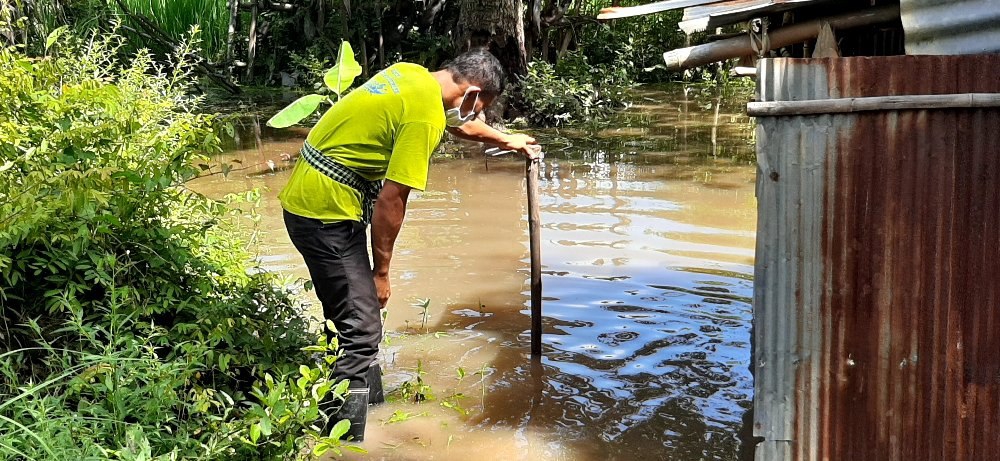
{"points": [[531, 171]]}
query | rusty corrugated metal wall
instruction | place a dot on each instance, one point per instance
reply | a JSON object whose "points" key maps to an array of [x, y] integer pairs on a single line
{"points": [[951, 26], [877, 295]]}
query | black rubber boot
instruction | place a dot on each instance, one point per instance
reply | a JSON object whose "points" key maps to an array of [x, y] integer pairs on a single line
{"points": [[355, 410], [376, 393]]}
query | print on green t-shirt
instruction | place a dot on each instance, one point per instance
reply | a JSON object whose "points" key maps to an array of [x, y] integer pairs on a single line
{"points": [[386, 129]]}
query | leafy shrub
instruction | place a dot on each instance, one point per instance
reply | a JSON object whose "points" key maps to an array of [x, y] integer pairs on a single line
{"points": [[135, 326], [309, 66], [571, 91], [635, 46]]}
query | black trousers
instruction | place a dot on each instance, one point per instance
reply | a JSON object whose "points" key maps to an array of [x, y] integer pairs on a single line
{"points": [[337, 257]]}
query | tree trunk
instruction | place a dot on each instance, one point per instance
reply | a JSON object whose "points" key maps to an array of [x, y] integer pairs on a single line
{"points": [[553, 13], [499, 27], [234, 25], [534, 29], [345, 17], [252, 43]]}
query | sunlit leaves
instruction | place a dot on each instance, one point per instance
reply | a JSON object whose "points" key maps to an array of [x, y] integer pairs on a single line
{"points": [[53, 37], [340, 77], [297, 111], [399, 416], [149, 326]]}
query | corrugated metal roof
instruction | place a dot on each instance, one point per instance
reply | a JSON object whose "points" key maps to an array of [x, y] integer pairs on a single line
{"points": [[700, 15], [710, 16], [615, 12], [951, 26], [875, 301], [936, 27]]}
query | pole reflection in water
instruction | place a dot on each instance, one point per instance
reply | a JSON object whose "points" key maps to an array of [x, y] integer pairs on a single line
{"points": [[648, 228]]}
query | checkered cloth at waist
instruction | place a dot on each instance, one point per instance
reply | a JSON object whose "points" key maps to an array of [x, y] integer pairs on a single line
{"points": [[369, 189]]}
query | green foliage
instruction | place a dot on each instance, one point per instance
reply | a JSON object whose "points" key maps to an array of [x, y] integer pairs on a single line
{"points": [[303, 37], [176, 17], [297, 111], [309, 67], [415, 390], [454, 402], [281, 419], [136, 327], [570, 92], [633, 46], [428, 49], [424, 305], [341, 76], [338, 79], [399, 416]]}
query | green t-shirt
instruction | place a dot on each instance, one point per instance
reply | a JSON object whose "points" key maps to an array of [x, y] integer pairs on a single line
{"points": [[386, 129]]}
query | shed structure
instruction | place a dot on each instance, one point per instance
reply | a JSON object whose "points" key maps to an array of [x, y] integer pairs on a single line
{"points": [[876, 298]]}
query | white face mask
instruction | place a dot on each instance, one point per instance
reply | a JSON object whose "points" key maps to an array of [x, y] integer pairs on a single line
{"points": [[454, 118]]}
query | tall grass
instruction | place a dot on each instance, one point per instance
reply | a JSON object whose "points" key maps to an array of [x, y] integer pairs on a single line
{"points": [[176, 17]]}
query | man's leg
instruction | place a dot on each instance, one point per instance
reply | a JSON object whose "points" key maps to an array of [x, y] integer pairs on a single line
{"points": [[337, 257], [349, 300]]}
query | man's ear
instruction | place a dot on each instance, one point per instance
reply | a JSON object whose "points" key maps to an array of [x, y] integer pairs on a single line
{"points": [[469, 103], [487, 100]]}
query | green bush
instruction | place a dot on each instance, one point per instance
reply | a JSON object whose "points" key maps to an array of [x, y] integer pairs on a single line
{"points": [[135, 326], [310, 66], [635, 45], [571, 91]]}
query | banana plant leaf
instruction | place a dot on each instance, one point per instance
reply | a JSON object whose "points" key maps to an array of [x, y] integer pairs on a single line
{"points": [[296, 111], [340, 77]]}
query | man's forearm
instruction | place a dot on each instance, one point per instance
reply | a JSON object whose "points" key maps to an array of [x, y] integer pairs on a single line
{"points": [[386, 222], [479, 131]]}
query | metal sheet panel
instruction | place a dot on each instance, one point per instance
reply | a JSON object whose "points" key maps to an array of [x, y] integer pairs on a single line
{"points": [[876, 305], [951, 26], [615, 12], [700, 15], [710, 16]]}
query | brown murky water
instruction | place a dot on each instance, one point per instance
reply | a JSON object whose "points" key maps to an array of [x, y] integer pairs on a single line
{"points": [[648, 231]]}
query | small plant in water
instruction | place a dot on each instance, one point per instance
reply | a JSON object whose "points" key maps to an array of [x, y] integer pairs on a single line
{"points": [[453, 402], [483, 372], [415, 390], [423, 304], [399, 416], [387, 336]]}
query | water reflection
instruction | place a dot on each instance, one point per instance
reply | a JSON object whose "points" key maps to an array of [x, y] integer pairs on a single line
{"points": [[647, 242], [644, 354]]}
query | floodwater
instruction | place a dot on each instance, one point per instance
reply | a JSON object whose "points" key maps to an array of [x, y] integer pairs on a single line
{"points": [[648, 228]]}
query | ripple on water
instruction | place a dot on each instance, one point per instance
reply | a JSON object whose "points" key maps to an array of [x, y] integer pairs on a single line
{"points": [[647, 243], [669, 336]]}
